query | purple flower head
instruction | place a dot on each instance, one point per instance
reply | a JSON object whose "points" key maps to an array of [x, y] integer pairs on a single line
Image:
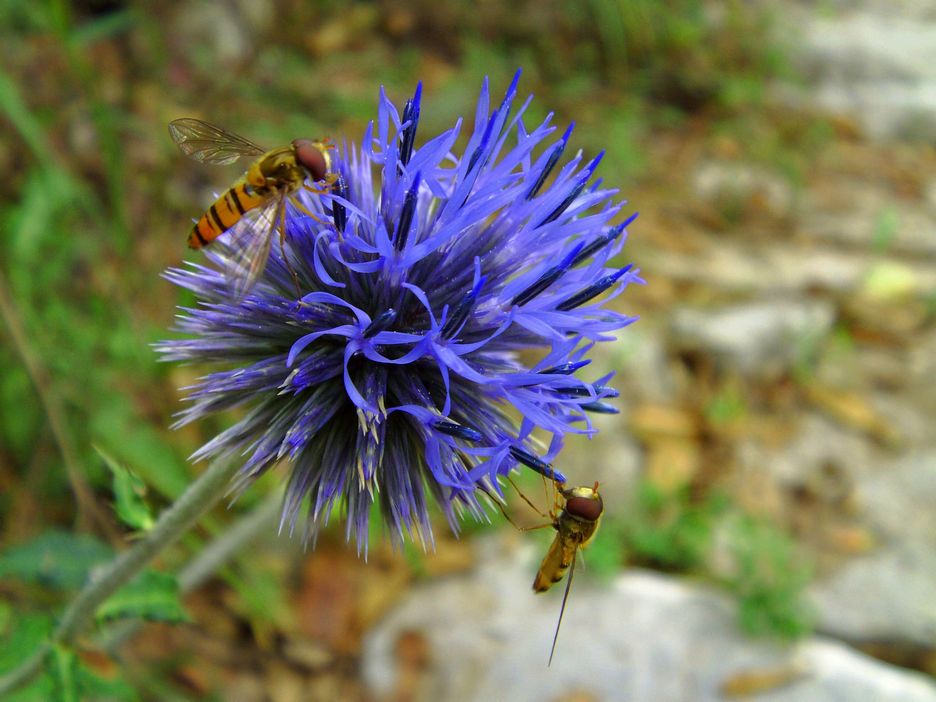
{"points": [[449, 301]]}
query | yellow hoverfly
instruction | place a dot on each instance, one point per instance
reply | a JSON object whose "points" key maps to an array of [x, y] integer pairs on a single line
{"points": [[255, 206], [575, 527]]}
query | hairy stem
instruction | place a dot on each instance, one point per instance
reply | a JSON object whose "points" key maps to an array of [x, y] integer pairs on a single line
{"points": [[200, 496], [209, 560]]}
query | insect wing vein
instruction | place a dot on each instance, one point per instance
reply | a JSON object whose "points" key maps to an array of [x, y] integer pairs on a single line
{"points": [[248, 244], [208, 143]]}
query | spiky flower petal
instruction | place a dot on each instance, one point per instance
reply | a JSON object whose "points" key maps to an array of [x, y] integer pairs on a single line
{"points": [[401, 372]]}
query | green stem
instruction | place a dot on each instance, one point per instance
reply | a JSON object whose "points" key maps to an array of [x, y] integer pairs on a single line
{"points": [[200, 496], [209, 560]]}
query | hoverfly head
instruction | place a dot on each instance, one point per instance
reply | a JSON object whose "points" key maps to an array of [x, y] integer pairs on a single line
{"points": [[584, 503], [312, 157]]}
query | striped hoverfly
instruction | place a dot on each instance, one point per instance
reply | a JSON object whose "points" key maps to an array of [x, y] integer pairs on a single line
{"points": [[254, 208]]}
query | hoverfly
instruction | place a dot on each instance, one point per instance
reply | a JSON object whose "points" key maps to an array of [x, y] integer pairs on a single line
{"points": [[575, 527], [255, 206], [575, 524]]}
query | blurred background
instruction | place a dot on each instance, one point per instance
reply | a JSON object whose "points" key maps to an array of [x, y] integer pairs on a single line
{"points": [[769, 485]]}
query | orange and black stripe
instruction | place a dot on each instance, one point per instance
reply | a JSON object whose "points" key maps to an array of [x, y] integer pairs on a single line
{"points": [[223, 214]]}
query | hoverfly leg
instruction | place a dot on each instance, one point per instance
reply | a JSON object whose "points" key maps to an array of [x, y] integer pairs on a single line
{"points": [[281, 216], [305, 210], [507, 516], [503, 511], [527, 499]]}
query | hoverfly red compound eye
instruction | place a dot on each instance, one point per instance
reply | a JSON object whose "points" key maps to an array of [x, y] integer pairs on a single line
{"points": [[587, 508], [311, 158]]}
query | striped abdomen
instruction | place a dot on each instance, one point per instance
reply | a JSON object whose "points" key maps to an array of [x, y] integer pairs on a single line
{"points": [[555, 564], [223, 214]]}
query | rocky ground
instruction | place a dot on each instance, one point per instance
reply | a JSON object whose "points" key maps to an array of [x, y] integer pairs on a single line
{"points": [[644, 637]]}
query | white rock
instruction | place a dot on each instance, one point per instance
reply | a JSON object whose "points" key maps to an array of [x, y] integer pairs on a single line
{"points": [[754, 338], [890, 594], [885, 596], [731, 183], [643, 367], [774, 269], [644, 638], [878, 66]]}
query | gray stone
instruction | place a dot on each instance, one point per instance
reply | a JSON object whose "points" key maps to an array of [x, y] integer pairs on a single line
{"points": [[778, 269], [612, 458], [899, 499], [885, 596], [228, 29], [878, 66], [805, 459], [729, 184], [921, 372], [639, 357], [757, 337], [855, 213], [642, 638], [889, 594]]}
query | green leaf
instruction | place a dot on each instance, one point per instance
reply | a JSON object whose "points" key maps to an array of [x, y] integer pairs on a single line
{"points": [[153, 596], [73, 680], [129, 493], [14, 108], [19, 412], [64, 668], [21, 633], [95, 687], [116, 424], [55, 559], [40, 687]]}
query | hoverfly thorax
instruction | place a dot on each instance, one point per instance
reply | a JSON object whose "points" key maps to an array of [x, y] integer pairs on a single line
{"points": [[278, 170]]}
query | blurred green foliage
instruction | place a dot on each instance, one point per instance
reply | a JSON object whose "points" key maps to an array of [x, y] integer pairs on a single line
{"points": [[129, 495], [769, 578], [711, 538], [74, 680], [55, 559], [657, 529], [151, 596], [728, 404], [22, 632], [670, 531]]}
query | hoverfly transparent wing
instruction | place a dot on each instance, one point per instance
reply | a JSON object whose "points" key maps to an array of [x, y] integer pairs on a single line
{"points": [[248, 245], [210, 144]]}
